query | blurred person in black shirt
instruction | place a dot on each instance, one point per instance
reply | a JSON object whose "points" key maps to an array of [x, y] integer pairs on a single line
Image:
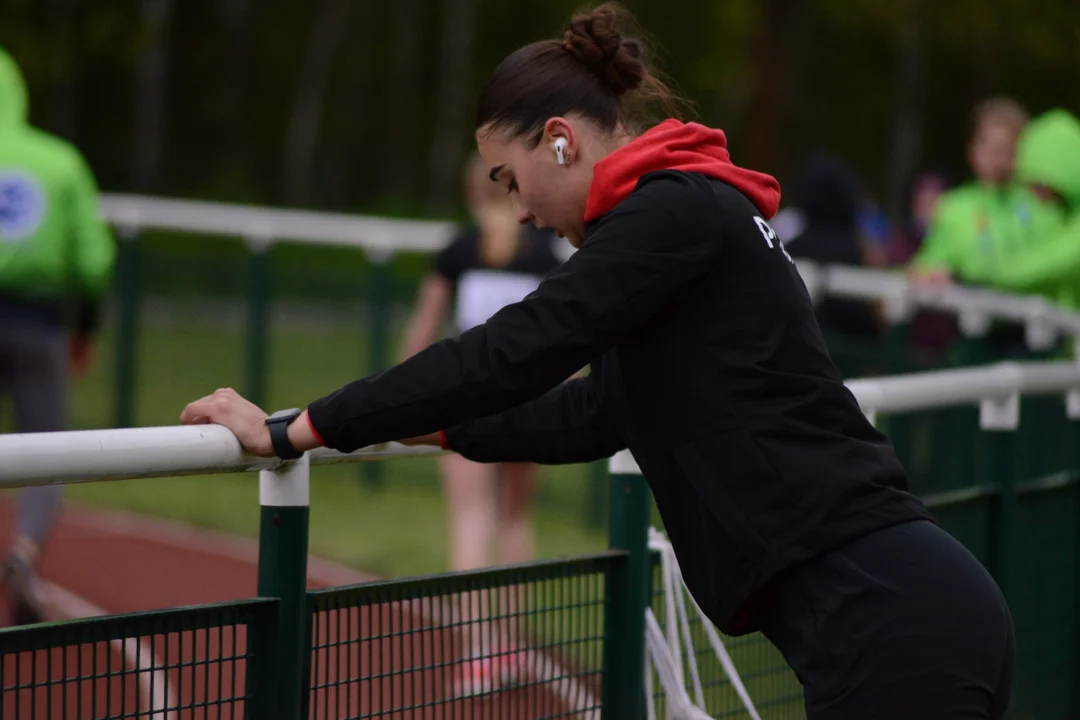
{"points": [[492, 263]]}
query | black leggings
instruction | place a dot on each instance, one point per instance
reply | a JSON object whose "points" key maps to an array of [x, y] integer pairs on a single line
{"points": [[901, 624]]}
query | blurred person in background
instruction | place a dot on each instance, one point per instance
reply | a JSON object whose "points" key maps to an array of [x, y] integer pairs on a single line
{"points": [[874, 231], [975, 225], [56, 259], [978, 227], [931, 332], [906, 239], [493, 263], [1048, 165], [830, 198]]}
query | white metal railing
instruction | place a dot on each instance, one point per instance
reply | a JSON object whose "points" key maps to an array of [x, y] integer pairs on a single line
{"points": [[376, 235], [975, 308], [380, 237], [93, 455], [131, 453]]}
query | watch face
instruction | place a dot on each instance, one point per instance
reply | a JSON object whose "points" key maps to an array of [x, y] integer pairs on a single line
{"points": [[283, 414]]}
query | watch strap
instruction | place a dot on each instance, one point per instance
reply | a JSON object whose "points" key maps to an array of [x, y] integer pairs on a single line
{"points": [[278, 423]]}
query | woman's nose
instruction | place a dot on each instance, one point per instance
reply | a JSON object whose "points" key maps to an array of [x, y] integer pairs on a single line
{"points": [[523, 216]]}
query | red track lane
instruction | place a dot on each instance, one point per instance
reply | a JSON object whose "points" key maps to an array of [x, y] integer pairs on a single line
{"points": [[116, 564]]}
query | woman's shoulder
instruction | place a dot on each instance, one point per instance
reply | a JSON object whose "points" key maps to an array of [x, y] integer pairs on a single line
{"points": [[679, 197]]}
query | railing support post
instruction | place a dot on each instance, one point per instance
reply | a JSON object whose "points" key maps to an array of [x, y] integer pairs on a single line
{"points": [[128, 272], [999, 417], [380, 293], [627, 593], [953, 427], [1072, 413], [258, 326], [284, 495]]}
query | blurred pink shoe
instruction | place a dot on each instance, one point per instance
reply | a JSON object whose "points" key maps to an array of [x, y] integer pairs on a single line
{"points": [[488, 673]]}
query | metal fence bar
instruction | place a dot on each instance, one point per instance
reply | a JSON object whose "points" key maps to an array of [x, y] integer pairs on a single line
{"points": [[627, 595], [380, 292], [127, 291], [388, 235], [257, 345], [284, 495]]}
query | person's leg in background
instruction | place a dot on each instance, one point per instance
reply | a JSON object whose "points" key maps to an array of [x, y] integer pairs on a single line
{"points": [[515, 541], [470, 511], [36, 368], [471, 519]]}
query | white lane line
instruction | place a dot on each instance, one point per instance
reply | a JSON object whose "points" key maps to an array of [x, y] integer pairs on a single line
{"points": [[155, 692]]}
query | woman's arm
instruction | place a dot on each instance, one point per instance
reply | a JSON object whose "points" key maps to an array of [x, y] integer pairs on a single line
{"points": [[637, 259], [565, 425], [428, 314]]}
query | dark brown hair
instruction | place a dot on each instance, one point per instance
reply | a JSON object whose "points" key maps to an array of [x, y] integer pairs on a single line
{"points": [[596, 70]]}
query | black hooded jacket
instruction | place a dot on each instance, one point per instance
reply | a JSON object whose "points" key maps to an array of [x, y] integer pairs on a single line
{"points": [[707, 363]]}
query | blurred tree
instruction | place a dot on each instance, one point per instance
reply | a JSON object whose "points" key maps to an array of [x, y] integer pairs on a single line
{"points": [[309, 100], [63, 110], [234, 99], [349, 152], [401, 142], [769, 105], [453, 94], [151, 94], [366, 105]]}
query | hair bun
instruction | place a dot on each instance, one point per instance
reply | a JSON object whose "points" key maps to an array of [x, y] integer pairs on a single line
{"points": [[595, 40]]}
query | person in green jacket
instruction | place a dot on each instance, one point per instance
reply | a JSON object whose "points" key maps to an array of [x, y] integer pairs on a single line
{"points": [[978, 225], [1048, 164], [56, 261]]}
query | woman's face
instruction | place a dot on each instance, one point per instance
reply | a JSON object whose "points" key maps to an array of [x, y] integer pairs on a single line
{"points": [[543, 192], [991, 153]]}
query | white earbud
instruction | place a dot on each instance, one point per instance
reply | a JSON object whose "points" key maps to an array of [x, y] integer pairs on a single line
{"points": [[560, 150]]}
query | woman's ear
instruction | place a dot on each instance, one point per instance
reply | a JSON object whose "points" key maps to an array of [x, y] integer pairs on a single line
{"points": [[560, 137]]}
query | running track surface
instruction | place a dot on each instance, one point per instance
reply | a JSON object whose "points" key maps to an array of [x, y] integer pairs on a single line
{"points": [[110, 563]]}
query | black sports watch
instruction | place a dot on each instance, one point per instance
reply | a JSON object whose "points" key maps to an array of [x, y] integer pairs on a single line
{"points": [[279, 433]]}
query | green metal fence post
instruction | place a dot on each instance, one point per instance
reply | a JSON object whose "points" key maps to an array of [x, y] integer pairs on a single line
{"points": [[379, 295], [955, 426], [595, 504], [898, 311], [284, 495], [627, 595], [1072, 411], [258, 327], [128, 270], [261, 670], [999, 417]]}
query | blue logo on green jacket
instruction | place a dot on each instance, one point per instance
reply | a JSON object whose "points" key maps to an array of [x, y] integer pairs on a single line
{"points": [[22, 206]]}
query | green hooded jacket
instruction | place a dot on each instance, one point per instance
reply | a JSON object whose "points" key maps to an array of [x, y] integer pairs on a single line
{"points": [[1048, 154], [54, 244], [977, 229]]}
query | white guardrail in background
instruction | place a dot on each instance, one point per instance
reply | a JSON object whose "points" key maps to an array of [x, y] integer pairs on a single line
{"points": [[95, 455], [381, 237], [377, 235]]}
